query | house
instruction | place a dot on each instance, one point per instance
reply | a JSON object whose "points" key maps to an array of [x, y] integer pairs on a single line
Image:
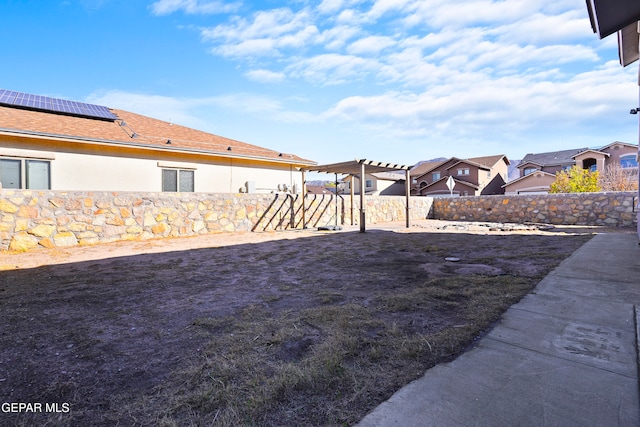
{"points": [[376, 184], [472, 177], [50, 143], [538, 171]]}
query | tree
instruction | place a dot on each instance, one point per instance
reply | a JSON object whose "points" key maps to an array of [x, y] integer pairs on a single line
{"points": [[617, 178], [575, 180]]}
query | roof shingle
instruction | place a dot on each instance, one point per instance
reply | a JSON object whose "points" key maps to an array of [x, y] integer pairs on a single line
{"points": [[135, 130]]}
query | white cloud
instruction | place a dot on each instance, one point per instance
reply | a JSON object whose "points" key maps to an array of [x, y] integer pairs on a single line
{"points": [[330, 6], [265, 76], [192, 7], [447, 70], [265, 34], [330, 69], [370, 45], [175, 110], [539, 28], [508, 105], [459, 14]]}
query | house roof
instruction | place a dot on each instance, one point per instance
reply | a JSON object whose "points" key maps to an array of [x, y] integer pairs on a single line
{"points": [[490, 161], [133, 130], [590, 150], [522, 178], [485, 162], [523, 164], [422, 167], [390, 176], [552, 158], [437, 165], [618, 143], [470, 163]]}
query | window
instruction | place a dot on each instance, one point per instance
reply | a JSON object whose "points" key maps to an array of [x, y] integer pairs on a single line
{"points": [[628, 161], [527, 171], [368, 183], [435, 176], [463, 171], [25, 174], [177, 180]]}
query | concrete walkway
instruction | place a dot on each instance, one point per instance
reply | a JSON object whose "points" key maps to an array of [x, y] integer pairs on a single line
{"points": [[565, 355]]}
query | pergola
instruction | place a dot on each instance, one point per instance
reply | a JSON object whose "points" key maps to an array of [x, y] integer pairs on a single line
{"points": [[357, 167]]}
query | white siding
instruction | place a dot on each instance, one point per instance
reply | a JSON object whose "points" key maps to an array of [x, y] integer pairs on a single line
{"points": [[89, 172]]}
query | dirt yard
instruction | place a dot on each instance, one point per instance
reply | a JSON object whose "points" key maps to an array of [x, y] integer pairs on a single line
{"points": [[289, 328]]}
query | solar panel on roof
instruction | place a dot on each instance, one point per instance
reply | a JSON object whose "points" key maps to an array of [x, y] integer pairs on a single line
{"points": [[55, 105]]}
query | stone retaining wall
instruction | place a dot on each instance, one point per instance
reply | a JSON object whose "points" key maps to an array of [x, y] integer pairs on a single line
{"points": [[615, 209], [30, 218]]}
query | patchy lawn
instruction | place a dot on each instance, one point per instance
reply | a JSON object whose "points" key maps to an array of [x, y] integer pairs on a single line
{"points": [[300, 328]]}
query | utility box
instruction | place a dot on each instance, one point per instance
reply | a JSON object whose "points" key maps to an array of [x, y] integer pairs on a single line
{"points": [[251, 187]]}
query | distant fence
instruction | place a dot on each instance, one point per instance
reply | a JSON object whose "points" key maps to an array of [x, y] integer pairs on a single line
{"points": [[30, 218]]}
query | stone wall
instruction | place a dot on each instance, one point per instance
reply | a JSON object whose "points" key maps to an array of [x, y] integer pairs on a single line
{"points": [[615, 209], [30, 218]]}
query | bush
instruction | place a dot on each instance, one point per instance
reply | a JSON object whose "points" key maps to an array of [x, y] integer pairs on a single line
{"points": [[575, 180]]}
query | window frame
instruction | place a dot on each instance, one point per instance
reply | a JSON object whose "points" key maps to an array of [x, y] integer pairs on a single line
{"points": [[25, 181], [178, 180]]}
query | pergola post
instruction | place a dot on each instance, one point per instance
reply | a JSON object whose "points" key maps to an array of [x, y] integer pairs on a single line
{"points": [[353, 181], [362, 191], [408, 191], [304, 199]]}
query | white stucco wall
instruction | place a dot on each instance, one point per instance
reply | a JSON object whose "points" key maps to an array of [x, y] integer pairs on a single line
{"points": [[91, 172]]}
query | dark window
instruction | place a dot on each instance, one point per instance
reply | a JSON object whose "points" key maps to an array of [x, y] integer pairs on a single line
{"points": [[628, 161], [177, 180], [38, 175], [25, 174]]}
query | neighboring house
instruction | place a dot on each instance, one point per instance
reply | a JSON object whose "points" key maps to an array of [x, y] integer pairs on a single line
{"points": [[87, 147], [538, 171], [472, 177], [377, 184]]}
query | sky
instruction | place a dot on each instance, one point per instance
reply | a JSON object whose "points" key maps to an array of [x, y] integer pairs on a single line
{"points": [[397, 81]]}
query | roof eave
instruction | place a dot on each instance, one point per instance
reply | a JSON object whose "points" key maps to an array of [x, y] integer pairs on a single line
{"points": [[98, 141]]}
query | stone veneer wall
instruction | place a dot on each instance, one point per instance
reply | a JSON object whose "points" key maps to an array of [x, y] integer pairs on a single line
{"points": [[30, 218], [614, 209]]}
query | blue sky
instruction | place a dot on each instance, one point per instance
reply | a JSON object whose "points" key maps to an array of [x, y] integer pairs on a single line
{"points": [[331, 80]]}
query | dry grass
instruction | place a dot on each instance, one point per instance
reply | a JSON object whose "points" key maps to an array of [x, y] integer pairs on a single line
{"points": [[314, 331], [322, 365]]}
